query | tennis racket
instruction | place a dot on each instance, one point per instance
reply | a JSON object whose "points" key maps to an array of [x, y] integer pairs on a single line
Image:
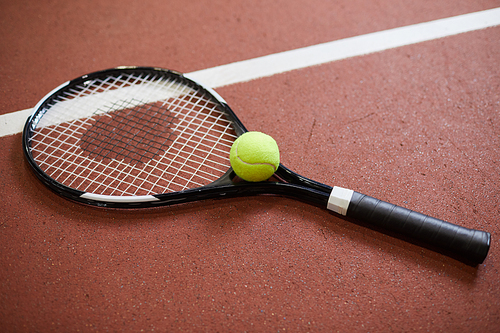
{"points": [[133, 137]]}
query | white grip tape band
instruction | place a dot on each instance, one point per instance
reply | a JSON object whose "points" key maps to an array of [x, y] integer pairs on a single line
{"points": [[339, 200]]}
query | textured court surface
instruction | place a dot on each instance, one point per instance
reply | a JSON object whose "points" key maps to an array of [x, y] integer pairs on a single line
{"points": [[417, 125]]}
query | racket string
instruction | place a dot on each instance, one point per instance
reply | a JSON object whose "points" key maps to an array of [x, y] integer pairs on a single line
{"points": [[189, 139], [76, 156], [50, 159], [109, 173], [205, 161], [191, 124], [136, 134], [190, 145]]}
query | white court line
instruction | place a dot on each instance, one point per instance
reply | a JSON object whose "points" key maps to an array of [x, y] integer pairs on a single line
{"points": [[12, 123]]}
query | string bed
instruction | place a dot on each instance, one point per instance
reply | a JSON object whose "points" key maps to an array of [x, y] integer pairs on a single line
{"points": [[133, 134]]}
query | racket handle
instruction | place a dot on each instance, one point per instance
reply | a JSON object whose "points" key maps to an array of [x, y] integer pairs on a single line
{"points": [[469, 244]]}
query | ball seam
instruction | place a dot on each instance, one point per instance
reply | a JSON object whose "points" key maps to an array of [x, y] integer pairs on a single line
{"points": [[247, 163]]}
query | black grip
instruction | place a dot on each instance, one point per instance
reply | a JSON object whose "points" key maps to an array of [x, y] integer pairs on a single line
{"points": [[469, 244]]}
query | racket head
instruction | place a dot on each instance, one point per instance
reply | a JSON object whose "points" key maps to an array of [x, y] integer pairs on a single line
{"points": [[132, 137]]}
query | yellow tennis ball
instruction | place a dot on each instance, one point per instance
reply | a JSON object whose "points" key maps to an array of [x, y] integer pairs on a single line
{"points": [[254, 156]]}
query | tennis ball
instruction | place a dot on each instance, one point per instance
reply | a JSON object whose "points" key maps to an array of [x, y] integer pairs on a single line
{"points": [[254, 156]]}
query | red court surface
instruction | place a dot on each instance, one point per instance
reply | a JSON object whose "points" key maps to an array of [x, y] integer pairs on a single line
{"points": [[417, 125]]}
